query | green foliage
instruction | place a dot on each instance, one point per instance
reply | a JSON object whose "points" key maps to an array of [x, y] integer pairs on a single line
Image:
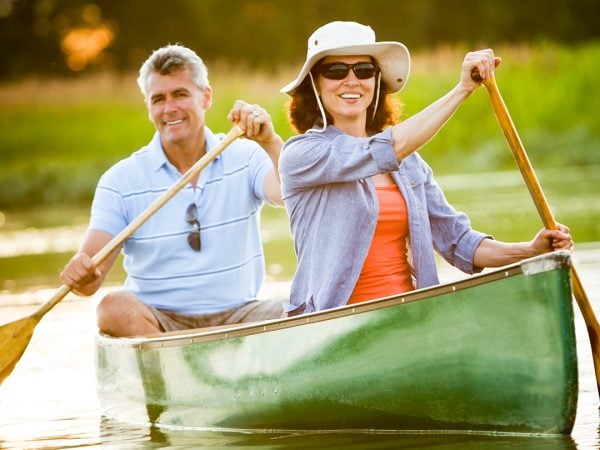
{"points": [[266, 33], [57, 137]]}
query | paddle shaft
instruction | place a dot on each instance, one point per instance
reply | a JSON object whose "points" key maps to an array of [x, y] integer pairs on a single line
{"points": [[522, 160], [116, 241]]}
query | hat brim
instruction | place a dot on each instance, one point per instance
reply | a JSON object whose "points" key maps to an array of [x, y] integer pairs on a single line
{"points": [[393, 59]]}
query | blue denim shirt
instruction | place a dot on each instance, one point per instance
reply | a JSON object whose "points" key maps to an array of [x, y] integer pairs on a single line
{"points": [[333, 208]]}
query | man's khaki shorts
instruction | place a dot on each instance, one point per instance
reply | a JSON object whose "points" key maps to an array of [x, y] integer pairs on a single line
{"points": [[254, 311]]}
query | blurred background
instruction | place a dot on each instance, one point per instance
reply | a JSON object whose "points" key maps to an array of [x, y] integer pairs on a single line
{"points": [[70, 106], [60, 37]]}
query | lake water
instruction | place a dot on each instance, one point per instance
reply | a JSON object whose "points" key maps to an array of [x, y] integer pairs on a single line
{"points": [[49, 401]]}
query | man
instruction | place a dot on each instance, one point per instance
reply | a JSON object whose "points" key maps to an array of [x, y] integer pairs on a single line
{"points": [[197, 261]]}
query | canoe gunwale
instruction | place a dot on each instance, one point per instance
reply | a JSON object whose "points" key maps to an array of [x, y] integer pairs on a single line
{"points": [[531, 266]]}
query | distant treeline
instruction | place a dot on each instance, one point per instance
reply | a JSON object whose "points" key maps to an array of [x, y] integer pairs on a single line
{"points": [[68, 36]]}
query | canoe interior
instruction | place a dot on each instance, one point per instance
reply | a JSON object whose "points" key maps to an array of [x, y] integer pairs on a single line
{"points": [[494, 353]]}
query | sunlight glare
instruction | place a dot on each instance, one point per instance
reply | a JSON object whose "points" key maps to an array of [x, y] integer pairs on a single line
{"points": [[84, 45]]}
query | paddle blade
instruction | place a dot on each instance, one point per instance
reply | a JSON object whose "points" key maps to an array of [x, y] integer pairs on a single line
{"points": [[14, 338]]}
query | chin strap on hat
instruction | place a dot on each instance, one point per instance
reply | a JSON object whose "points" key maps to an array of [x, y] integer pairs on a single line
{"points": [[376, 95], [314, 86]]}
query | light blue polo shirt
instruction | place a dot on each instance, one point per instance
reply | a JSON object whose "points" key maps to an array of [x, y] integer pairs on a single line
{"points": [[162, 269]]}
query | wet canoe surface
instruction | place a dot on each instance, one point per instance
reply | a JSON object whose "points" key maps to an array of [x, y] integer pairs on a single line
{"points": [[493, 353]]}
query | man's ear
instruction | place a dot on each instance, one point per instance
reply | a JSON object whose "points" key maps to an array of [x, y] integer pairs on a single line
{"points": [[207, 97]]}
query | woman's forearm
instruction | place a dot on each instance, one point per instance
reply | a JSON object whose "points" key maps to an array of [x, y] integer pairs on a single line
{"points": [[416, 131], [492, 253]]}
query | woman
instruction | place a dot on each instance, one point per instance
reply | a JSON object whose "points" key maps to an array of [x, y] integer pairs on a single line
{"points": [[366, 214]]}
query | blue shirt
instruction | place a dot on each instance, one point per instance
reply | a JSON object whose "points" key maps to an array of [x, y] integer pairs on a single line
{"points": [[332, 204], [163, 271]]}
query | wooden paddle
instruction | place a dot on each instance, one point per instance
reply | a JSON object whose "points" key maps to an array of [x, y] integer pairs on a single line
{"points": [[520, 156], [15, 336]]}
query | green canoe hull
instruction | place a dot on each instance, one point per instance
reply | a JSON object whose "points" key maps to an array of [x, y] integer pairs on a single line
{"points": [[492, 353]]}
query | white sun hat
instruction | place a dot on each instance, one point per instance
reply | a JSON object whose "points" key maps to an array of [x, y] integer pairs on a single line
{"points": [[351, 38]]}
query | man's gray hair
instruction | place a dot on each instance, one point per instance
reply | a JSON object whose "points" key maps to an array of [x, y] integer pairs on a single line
{"points": [[170, 59]]}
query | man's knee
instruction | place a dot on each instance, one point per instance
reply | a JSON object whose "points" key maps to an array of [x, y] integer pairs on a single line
{"points": [[114, 302], [113, 307]]}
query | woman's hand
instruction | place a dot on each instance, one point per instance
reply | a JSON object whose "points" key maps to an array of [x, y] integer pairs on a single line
{"points": [[549, 240], [481, 63], [492, 253]]}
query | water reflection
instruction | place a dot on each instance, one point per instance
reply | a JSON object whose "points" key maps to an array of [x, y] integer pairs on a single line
{"points": [[152, 437], [95, 432], [41, 433]]}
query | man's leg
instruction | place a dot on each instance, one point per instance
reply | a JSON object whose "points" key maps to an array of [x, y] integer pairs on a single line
{"points": [[122, 314], [256, 311]]}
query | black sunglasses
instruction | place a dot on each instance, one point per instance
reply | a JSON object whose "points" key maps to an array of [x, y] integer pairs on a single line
{"points": [[191, 217], [340, 70]]}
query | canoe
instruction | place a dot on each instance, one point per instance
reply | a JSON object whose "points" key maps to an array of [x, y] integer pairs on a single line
{"points": [[493, 353]]}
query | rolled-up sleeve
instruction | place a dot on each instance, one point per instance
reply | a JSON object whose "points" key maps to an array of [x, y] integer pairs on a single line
{"points": [[464, 251], [314, 159]]}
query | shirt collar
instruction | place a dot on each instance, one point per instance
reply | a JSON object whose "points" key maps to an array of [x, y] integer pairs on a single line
{"points": [[158, 158]]}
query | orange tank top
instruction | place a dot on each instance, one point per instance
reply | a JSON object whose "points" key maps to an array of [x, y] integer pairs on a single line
{"points": [[386, 270]]}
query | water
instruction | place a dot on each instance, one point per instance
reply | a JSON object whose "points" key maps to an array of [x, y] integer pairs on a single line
{"points": [[49, 401]]}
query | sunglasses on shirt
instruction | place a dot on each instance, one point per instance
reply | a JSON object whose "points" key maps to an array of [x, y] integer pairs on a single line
{"points": [[339, 70], [191, 217]]}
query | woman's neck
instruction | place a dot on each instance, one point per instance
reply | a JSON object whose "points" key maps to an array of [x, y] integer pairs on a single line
{"points": [[356, 128]]}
